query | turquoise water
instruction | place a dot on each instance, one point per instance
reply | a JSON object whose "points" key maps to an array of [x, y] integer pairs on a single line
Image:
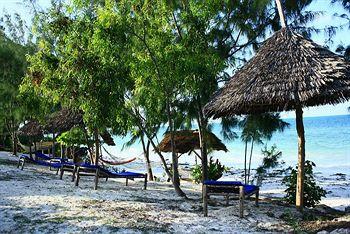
{"points": [[327, 144]]}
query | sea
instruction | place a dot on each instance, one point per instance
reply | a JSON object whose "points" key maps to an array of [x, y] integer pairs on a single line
{"points": [[327, 145]]}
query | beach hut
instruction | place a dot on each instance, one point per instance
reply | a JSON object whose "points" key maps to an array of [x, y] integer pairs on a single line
{"points": [[289, 72], [187, 141]]}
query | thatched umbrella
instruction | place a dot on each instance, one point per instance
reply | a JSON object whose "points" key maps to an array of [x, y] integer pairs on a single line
{"points": [[33, 130], [186, 141], [63, 120], [289, 72]]}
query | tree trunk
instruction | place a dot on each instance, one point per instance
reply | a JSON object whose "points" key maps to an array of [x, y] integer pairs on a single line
{"points": [[245, 162], [301, 158], [53, 144], [176, 178], [97, 146], [250, 159], [202, 127], [146, 154], [15, 144]]}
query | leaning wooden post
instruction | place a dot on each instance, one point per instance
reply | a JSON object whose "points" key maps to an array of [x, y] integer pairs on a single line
{"points": [[281, 14], [301, 158]]}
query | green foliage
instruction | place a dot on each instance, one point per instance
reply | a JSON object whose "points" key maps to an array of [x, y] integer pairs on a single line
{"points": [[312, 192], [215, 171], [270, 161], [73, 137]]}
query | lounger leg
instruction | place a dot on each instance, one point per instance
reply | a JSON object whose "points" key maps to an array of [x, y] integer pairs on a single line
{"points": [[145, 185], [227, 199], [77, 179], [241, 201], [19, 163], [61, 173], [126, 182], [205, 200], [107, 178], [74, 172], [57, 171], [257, 198], [96, 178], [23, 162]]}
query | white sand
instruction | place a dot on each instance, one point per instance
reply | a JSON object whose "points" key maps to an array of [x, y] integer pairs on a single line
{"points": [[36, 201]]}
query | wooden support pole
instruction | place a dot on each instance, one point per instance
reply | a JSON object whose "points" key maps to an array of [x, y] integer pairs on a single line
{"points": [[205, 200], [96, 178], [77, 177], [301, 158], [281, 14], [145, 184], [241, 201]]}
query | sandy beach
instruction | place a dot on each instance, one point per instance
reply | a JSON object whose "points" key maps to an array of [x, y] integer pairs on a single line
{"points": [[35, 200]]}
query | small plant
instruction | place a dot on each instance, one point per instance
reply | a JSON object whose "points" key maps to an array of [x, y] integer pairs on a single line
{"points": [[215, 171], [270, 161], [312, 192]]}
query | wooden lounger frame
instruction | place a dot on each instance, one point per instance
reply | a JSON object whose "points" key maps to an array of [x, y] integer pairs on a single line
{"points": [[97, 173], [227, 191], [22, 161]]}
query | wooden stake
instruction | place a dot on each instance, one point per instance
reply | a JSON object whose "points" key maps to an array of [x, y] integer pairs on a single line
{"points": [[281, 14], [301, 158], [241, 201]]}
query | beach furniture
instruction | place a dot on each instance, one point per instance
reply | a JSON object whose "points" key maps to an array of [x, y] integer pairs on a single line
{"points": [[52, 163], [68, 167], [99, 172], [227, 189]]}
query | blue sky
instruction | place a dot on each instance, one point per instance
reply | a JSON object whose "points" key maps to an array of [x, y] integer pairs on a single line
{"points": [[327, 18]]}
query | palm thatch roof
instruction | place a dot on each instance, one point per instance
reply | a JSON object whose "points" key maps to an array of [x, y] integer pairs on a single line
{"points": [[287, 71], [31, 129], [188, 140], [64, 120]]}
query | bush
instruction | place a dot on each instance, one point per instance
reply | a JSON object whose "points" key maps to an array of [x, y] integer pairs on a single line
{"points": [[312, 192], [271, 160], [215, 171]]}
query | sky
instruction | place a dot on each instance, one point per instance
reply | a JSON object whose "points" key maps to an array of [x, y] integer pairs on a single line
{"points": [[326, 19]]}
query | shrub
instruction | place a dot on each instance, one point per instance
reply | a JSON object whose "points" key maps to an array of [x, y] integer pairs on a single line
{"points": [[312, 192], [270, 161], [215, 171]]}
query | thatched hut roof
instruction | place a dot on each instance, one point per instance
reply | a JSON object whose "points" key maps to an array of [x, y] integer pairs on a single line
{"points": [[287, 71], [64, 120], [188, 140], [31, 129]]}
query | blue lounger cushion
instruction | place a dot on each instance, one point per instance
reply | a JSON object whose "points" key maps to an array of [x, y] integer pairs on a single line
{"points": [[123, 174], [215, 182], [42, 163], [46, 157], [247, 187]]}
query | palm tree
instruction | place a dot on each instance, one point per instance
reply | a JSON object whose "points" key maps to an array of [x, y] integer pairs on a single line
{"points": [[255, 129], [138, 135]]}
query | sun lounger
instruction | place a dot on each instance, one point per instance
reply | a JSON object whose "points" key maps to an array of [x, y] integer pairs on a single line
{"points": [[42, 156], [227, 189], [69, 167], [99, 172], [51, 164]]}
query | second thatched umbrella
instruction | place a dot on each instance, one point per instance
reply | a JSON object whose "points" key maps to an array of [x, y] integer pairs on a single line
{"points": [[289, 72], [187, 141]]}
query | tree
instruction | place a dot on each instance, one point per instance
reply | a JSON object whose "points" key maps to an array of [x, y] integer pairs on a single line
{"points": [[13, 50], [255, 129]]}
